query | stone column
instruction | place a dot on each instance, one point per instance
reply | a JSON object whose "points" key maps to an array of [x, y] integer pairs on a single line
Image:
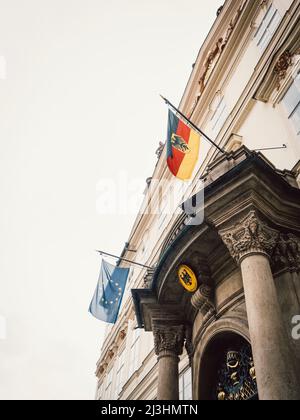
{"points": [[168, 341], [251, 243]]}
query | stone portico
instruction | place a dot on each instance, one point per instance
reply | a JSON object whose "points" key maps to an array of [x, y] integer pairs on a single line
{"points": [[246, 256]]}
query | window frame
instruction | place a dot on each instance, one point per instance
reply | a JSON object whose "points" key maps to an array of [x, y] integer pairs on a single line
{"points": [[108, 384], [263, 34], [296, 109], [134, 350], [120, 373], [183, 387]]}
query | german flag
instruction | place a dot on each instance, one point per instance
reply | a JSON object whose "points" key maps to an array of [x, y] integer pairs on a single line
{"points": [[182, 148]]}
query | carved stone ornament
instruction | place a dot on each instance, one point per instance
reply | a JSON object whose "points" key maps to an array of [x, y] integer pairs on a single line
{"points": [[214, 55], [148, 278], [122, 334], [169, 339], [203, 301], [111, 354], [160, 149], [249, 236], [101, 369], [287, 253], [283, 64]]}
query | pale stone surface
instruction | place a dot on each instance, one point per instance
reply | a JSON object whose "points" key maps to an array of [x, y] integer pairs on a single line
{"points": [[274, 360]]}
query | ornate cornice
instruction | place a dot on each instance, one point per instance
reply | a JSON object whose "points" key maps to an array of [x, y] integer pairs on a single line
{"points": [[249, 236], [169, 339], [214, 54]]}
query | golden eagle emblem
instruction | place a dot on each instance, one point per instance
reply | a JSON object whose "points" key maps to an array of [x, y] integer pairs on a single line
{"points": [[187, 278], [179, 143]]}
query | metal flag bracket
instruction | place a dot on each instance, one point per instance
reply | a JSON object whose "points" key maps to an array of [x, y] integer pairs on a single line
{"points": [[124, 259], [284, 146]]}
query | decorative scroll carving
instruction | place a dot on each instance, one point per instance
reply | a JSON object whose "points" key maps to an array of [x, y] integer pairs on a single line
{"points": [[160, 149], [215, 54], [148, 278], [122, 334], [287, 253], [111, 354], [203, 301], [284, 62], [169, 339], [250, 235]]}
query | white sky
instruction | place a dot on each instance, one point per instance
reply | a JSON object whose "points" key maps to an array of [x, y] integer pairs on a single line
{"points": [[79, 103]]}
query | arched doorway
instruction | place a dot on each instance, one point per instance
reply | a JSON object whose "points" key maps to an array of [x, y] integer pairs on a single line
{"points": [[227, 369]]}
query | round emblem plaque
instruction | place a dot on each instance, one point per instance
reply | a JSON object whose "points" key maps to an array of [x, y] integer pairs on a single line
{"points": [[188, 278]]}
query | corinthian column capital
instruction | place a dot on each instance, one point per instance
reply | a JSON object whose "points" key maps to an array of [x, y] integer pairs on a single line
{"points": [[249, 236], [169, 340]]}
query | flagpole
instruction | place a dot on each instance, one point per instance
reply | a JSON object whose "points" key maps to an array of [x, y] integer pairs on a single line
{"points": [[124, 259], [193, 125]]}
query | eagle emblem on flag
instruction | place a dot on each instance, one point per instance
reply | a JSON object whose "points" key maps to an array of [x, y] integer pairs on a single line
{"points": [[179, 143]]}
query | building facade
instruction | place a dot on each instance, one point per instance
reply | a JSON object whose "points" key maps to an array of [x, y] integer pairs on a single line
{"points": [[231, 337]]}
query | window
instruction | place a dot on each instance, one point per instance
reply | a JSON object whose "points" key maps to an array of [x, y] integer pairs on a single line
{"points": [[134, 352], [108, 385], [291, 102], [267, 27], [219, 115], [120, 374], [130, 278], [185, 385]]}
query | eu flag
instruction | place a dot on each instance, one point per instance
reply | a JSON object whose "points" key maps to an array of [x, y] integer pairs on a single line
{"points": [[108, 296]]}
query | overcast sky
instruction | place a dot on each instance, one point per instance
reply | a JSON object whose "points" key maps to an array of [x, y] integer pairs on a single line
{"points": [[79, 86]]}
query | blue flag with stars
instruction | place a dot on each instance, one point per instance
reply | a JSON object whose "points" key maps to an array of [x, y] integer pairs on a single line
{"points": [[108, 296]]}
